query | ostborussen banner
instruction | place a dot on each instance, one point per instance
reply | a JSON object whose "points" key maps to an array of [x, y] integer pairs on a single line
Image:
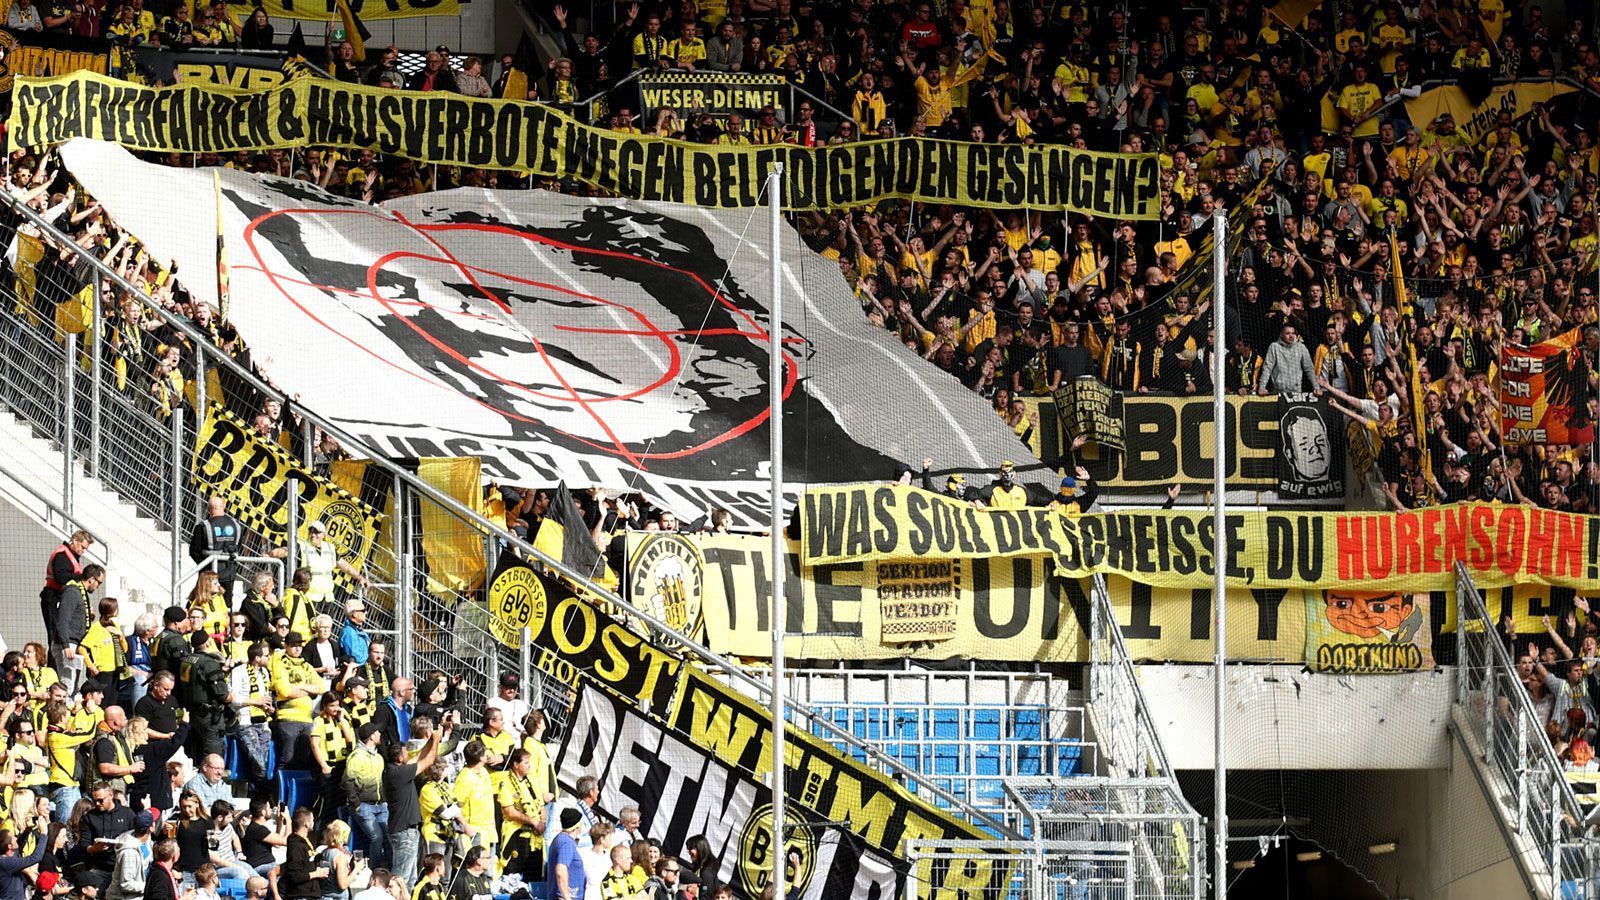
{"points": [[659, 703], [1409, 551], [451, 129]]}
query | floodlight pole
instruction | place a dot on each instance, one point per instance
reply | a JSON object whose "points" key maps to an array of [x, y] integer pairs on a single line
{"points": [[1219, 506], [779, 549]]}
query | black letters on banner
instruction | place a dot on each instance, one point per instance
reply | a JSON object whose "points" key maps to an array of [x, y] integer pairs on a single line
{"points": [[504, 134]]}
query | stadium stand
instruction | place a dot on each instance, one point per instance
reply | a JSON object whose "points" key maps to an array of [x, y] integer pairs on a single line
{"points": [[1411, 193]]}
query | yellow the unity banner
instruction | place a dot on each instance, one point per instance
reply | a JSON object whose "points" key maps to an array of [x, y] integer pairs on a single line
{"points": [[1411, 551], [451, 129]]}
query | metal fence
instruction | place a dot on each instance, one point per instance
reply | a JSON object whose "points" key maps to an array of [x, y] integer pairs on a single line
{"points": [[1122, 724], [120, 430], [1526, 780]]}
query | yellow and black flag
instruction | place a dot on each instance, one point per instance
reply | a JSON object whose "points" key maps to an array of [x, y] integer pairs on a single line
{"points": [[223, 298], [566, 538]]}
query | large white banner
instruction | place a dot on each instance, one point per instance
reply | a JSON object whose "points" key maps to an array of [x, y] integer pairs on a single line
{"points": [[597, 342]]}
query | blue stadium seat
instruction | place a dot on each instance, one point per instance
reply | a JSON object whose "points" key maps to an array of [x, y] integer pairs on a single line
{"points": [[946, 759], [987, 761], [1026, 724], [946, 725], [1069, 759], [294, 787], [986, 725], [231, 756], [1029, 760], [232, 887], [905, 725]]}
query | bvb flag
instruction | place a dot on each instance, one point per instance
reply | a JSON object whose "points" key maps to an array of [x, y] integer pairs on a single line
{"points": [[1544, 392], [224, 297], [354, 32], [564, 536], [1419, 414]]}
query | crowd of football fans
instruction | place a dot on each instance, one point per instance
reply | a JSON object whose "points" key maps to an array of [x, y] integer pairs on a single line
{"points": [[1302, 134], [240, 746], [157, 784]]}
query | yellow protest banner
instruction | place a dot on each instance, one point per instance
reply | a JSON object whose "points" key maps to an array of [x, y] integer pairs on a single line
{"points": [[451, 129], [998, 608], [327, 11], [1409, 551], [583, 646], [1473, 121], [256, 476]]}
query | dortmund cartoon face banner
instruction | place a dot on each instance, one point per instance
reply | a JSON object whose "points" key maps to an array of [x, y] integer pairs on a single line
{"points": [[1361, 632]]}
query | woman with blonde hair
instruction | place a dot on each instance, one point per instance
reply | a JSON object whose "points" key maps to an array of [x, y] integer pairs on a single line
{"points": [[207, 596], [335, 858]]}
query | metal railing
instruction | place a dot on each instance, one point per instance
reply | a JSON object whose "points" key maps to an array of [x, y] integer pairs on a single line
{"points": [[1122, 723], [969, 729], [1526, 779], [443, 619], [51, 512]]}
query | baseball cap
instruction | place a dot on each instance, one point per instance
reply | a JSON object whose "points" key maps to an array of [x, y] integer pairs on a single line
{"points": [[1069, 485], [143, 820], [316, 525], [510, 680], [357, 681], [1007, 465], [293, 638]]}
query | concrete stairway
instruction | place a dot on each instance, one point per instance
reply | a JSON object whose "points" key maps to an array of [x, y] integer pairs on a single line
{"points": [[136, 551]]}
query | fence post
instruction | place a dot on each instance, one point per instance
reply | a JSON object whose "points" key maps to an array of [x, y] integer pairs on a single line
{"points": [[1522, 768], [526, 662], [69, 420], [291, 542], [200, 390], [177, 491], [1555, 835], [97, 319], [404, 585]]}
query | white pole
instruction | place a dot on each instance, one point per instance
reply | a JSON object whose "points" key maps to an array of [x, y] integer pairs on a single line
{"points": [[779, 548], [1219, 504]]}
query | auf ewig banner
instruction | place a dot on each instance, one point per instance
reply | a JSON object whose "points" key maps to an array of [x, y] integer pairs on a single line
{"points": [[1416, 550], [1544, 392], [560, 339], [534, 139]]}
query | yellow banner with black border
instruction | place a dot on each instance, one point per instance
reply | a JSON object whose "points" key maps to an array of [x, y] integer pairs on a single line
{"points": [[1500, 544], [450, 129], [327, 10], [578, 643], [255, 478]]}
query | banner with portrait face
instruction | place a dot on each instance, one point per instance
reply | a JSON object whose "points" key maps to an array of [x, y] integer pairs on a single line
{"points": [[1311, 464], [1354, 631]]}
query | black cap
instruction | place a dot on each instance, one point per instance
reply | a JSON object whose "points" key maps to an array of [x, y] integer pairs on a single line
{"points": [[293, 639], [510, 680], [174, 614]]}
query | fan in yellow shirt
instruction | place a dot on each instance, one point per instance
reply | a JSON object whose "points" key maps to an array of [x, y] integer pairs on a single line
{"points": [[1358, 104]]}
